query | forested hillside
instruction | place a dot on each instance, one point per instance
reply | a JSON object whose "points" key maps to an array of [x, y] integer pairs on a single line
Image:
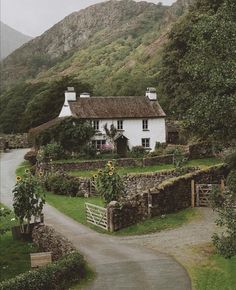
{"points": [[120, 48], [115, 47]]}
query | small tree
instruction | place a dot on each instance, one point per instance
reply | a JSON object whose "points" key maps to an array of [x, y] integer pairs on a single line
{"points": [[179, 160], [111, 133], [109, 184], [28, 200]]}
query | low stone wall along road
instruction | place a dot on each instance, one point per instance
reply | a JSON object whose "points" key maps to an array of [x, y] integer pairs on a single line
{"points": [[118, 264]]}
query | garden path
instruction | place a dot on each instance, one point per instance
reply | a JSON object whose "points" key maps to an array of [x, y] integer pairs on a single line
{"points": [[119, 264]]}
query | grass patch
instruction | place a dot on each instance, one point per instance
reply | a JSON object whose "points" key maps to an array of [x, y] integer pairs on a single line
{"points": [[202, 163], [74, 207], [217, 273], [20, 171], [15, 255], [157, 224]]}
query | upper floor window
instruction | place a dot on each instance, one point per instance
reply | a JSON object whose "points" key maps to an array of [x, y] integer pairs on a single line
{"points": [[145, 124], [96, 125], [120, 125], [146, 142]]}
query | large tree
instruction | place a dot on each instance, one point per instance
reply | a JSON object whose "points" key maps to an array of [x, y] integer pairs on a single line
{"points": [[198, 80]]}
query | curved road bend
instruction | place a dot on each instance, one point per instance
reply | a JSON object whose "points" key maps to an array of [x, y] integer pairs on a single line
{"points": [[118, 265]]}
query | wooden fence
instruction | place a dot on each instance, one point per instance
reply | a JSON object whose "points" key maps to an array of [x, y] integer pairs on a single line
{"points": [[97, 215]]}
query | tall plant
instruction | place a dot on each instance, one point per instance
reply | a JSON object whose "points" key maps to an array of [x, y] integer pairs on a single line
{"points": [[109, 184], [28, 200]]}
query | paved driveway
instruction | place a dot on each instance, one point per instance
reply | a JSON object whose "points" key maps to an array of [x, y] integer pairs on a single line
{"points": [[119, 264]]}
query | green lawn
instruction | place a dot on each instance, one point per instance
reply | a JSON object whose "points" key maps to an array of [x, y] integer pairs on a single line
{"points": [[202, 163], [218, 274], [15, 255], [20, 171], [74, 208]]}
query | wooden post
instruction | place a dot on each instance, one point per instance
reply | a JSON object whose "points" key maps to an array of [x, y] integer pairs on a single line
{"points": [[192, 193], [149, 204], [222, 185]]}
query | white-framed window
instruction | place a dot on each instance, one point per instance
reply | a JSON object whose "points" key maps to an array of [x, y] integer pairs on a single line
{"points": [[120, 125], [98, 144], [95, 124], [146, 142], [145, 124]]}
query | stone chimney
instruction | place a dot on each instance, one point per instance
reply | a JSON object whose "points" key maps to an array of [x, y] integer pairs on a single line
{"points": [[151, 93], [70, 94]]}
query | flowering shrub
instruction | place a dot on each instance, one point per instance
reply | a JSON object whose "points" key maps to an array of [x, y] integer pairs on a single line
{"points": [[106, 149], [28, 199], [108, 183]]}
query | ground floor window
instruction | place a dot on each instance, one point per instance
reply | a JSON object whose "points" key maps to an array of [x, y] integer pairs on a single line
{"points": [[146, 142], [98, 144]]}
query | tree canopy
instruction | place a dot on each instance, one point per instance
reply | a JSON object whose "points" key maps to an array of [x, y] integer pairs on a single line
{"points": [[29, 105], [197, 79]]}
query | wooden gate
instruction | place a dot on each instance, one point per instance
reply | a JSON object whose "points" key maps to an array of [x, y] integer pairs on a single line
{"points": [[203, 192], [97, 215]]}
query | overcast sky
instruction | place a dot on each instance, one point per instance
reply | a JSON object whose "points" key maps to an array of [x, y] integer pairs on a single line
{"points": [[33, 17]]}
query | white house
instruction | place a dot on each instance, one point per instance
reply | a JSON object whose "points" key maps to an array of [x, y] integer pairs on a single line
{"points": [[140, 121]]}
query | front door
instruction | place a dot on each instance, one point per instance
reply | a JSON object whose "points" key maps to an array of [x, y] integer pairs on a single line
{"points": [[122, 145]]}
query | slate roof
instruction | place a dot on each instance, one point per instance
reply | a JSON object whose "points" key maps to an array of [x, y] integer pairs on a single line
{"points": [[116, 107]]}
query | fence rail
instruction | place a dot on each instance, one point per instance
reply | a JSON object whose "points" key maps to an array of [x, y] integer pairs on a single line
{"points": [[97, 215]]}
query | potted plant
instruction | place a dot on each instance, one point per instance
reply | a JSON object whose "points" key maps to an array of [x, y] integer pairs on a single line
{"points": [[28, 205]]}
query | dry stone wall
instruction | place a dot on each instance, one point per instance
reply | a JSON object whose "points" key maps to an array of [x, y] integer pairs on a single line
{"points": [[138, 183], [169, 196], [123, 162]]}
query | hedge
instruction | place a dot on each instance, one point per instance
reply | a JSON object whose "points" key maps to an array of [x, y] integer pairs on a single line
{"points": [[59, 275]]}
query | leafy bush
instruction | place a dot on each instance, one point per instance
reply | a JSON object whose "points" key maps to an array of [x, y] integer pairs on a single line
{"points": [[108, 183], [90, 151], [72, 133], [223, 204], [59, 275], [231, 180], [50, 152], [31, 156], [62, 184], [137, 152], [230, 158]]}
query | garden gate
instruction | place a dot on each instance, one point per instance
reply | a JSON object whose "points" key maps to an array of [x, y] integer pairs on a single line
{"points": [[97, 215], [201, 193]]}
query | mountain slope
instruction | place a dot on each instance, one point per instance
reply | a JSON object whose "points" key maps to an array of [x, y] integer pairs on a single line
{"points": [[114, 47], [11, 39]]}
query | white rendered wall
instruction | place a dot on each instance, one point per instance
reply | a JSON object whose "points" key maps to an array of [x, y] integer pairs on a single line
{"points": [[65, 111], [133, 130]]}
